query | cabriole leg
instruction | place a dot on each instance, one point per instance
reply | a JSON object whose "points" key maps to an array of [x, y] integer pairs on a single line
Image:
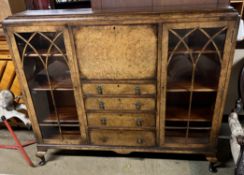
{"points": [[212, 164], [41, 155]]}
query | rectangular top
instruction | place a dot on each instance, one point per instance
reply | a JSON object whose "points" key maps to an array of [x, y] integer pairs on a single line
{"points": [[126, 5], [88, 16], [89, 11]]}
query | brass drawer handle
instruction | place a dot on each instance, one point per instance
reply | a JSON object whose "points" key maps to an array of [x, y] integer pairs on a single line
{"points": [[139, 122], [138, 105], [100, 90], [104, 139], [137, 90], [103, 121], [140, 141], [101, 105]]}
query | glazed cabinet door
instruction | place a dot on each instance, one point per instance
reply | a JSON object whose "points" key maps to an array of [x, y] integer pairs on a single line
{"points": [[195, 62], [44, 61]]}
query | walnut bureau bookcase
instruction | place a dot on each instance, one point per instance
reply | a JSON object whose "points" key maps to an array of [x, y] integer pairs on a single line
{"points": [[126, 82]]}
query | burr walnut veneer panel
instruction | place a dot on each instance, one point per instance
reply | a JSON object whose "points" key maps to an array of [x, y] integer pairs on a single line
{"points": [[117, 52]]}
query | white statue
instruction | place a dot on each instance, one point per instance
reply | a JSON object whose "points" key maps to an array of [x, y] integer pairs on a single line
{"points": [[240, 35], [236, 130], [10, 109]]}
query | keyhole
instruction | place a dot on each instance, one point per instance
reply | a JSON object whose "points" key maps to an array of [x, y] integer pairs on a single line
{"points": [[114, 27]]}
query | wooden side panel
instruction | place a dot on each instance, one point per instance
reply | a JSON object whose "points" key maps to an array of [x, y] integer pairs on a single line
{"points": [[70, 49], [117, 52], [228, 56], [162, 88]]}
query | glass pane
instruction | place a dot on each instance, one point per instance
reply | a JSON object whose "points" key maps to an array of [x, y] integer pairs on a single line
{"points": [[50, 132], [48, 76], [44, 105], [71, 132], [179, 72], [59, 73], [203, 104], [177, 107], [66, 108], [35, 72], [175, 136], [198, 136], [207, 71]]}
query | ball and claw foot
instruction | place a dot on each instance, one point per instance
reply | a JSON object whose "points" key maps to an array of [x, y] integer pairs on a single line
{"points": [[212, 168], [42, 162], [41, 155]]}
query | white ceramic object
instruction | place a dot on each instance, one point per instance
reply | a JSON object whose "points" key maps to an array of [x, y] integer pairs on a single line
{"points": [[9, 109]]}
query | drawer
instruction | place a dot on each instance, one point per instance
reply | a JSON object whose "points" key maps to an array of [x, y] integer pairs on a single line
{"points": [[121, 120], [119, 89], [138, 104], [122, 138]]}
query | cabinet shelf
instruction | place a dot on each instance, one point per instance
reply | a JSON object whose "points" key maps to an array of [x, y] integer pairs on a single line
{"points": [[61, 124], [43, 53], [71, 135], [179, 137], [180, 114], [65, 85], [191, 128], [67, 115], [183, 140], [194, 51], [186, 87]]}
